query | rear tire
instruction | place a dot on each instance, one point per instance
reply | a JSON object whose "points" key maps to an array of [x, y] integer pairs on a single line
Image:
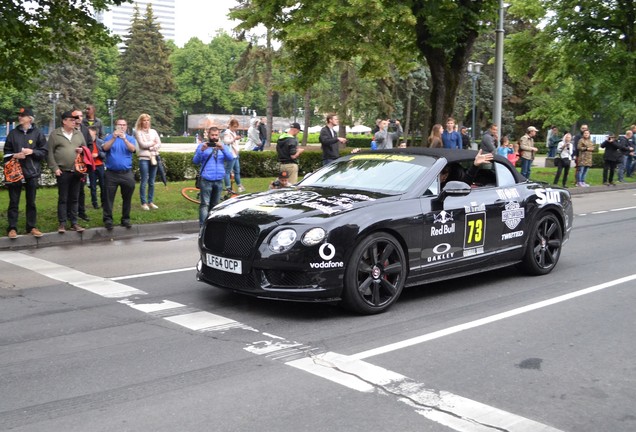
{"points": [[375, 274], [544, 245]]}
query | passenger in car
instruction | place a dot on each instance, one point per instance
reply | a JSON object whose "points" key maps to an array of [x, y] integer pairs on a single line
{"points": [[455, 172]]}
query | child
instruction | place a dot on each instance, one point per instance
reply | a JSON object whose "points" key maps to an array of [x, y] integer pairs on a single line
{"points": [[281, 182]]}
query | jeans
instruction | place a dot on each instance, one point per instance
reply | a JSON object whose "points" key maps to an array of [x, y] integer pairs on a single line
{"points": [[210, 195], [233, 165], [97, 178], [68, 187], [552, 152], [113, 180], [581, 173], [327, 161], [629, 166], [148, 173], [621, 168], [526, 164], [15, 190]]}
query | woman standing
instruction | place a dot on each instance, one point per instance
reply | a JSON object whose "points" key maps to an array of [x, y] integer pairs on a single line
{"points": [[585, 148], [435, 138], [564, 156], [253, 137], [231, 138], [149, 144]]}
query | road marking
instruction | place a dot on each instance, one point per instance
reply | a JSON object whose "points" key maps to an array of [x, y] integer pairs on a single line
{"points": [[607, 211], [453, 411], [448, 409], [97, 285], [140, 275], [490, 319]]}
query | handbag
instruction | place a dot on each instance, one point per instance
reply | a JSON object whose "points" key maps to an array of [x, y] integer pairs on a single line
{"points": [[80, 165], [13, 171]]}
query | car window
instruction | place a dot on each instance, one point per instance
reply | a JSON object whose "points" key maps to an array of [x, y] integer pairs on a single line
{"points": [[504, 176], [392, 174]]}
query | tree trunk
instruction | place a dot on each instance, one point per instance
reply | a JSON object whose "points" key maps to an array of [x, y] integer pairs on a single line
{"points": [[307, 119], [344, 101]]}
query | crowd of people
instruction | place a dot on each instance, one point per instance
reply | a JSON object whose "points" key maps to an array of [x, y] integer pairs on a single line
{"points": [[78, 150]]}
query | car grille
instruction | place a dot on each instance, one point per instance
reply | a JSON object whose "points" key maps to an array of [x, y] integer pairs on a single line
{"points": [[230, 240], [290, 279], [241, 282]]}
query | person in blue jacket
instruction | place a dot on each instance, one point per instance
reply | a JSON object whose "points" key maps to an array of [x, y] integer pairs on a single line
{"points": [[211, 155]]}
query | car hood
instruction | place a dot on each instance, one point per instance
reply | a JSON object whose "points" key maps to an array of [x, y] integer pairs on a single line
{"points": [[286, 205]]}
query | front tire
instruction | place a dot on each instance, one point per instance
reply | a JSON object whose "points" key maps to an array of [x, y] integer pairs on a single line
{"points": [[544, 246], [375, 274]]}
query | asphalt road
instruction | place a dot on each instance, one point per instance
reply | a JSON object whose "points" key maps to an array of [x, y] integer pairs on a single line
{"points": [[119, 336]]}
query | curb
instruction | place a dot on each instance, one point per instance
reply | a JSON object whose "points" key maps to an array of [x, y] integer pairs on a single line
{"points": [[93, 235]]}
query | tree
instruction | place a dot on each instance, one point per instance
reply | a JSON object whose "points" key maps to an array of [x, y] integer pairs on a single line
{"points": [[146, 82], [38, 33], [580, 61], [382, 33]]}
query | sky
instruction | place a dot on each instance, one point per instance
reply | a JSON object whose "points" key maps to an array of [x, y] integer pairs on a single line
{"points": [[202, 18]]}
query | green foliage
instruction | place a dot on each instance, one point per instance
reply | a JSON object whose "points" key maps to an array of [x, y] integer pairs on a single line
{"points": [[107, 80], [146, 78], [38, 33]]}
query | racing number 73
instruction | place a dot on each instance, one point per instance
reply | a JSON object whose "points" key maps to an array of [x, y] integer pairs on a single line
{"points": [[475, 230]]}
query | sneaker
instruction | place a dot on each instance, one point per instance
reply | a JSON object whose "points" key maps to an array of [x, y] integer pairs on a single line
{"points": [[108, 226], [13, 234], [126, 224], [585, 185], [241, 188], [36, 232], [75, 227], [61, 228], [153, 206], [145, 207]]}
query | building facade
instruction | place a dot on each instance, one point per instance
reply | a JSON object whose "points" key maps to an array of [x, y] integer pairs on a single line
{"points": [[118, 18]]}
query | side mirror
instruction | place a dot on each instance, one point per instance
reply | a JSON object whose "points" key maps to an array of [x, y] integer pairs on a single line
{"points": [[455, 189]]}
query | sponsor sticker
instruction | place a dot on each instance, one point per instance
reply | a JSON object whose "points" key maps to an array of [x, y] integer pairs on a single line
{"points": [[443, 217], [327, 251], [442, 252], [548, 196], [514, 234], [508, 194], [513, 214]]}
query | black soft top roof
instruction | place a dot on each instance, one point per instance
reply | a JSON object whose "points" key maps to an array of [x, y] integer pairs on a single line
{"points": [[450, 155]]}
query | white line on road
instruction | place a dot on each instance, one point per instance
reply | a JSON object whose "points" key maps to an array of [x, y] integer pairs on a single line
{"points": [[453, 411], [140, 275], [96, 285], [490, 319]]}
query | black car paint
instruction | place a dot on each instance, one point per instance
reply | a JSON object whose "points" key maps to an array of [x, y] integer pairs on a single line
{"points": [[408, 217]]}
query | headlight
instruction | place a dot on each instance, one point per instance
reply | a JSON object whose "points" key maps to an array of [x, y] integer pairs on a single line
{"points": [[282, 240], [313, 236]]}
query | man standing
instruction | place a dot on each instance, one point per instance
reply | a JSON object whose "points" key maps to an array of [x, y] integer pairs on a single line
{"points": [[262, 132], [211, 155], [489, 140], [92, 120], [527, 149], [465, 138], [626, 149], [119, 148], [81, 197], [385, 139], [288, 152], [65, 143], [450, 137], [575, 149], [26, 144], [330, 141], [553, 141]]}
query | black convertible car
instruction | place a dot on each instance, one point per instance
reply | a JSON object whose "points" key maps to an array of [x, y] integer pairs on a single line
{"points": [[362, 228]]}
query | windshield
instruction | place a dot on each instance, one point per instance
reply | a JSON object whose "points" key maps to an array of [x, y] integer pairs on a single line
{"points": [[385, 173]]}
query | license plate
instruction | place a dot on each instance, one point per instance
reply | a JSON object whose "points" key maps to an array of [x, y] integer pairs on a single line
{"points": [[224, 264]]}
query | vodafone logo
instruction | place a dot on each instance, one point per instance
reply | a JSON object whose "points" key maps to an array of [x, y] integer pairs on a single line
{"points": [[327, 251]]}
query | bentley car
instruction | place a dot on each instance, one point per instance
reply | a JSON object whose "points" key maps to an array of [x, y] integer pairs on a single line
{"points": [[362, 228]]}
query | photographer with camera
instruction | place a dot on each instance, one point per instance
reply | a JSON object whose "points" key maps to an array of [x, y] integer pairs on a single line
{"points": [[390, 132], [611, 158]]}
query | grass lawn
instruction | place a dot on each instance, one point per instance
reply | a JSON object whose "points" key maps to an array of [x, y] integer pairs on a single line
{"points": [[173, 207]]}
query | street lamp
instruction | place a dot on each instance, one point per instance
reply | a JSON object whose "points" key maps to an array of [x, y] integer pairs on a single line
{"points": [[185, 122], [112, 104], [474, 70], [54, 97]]}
